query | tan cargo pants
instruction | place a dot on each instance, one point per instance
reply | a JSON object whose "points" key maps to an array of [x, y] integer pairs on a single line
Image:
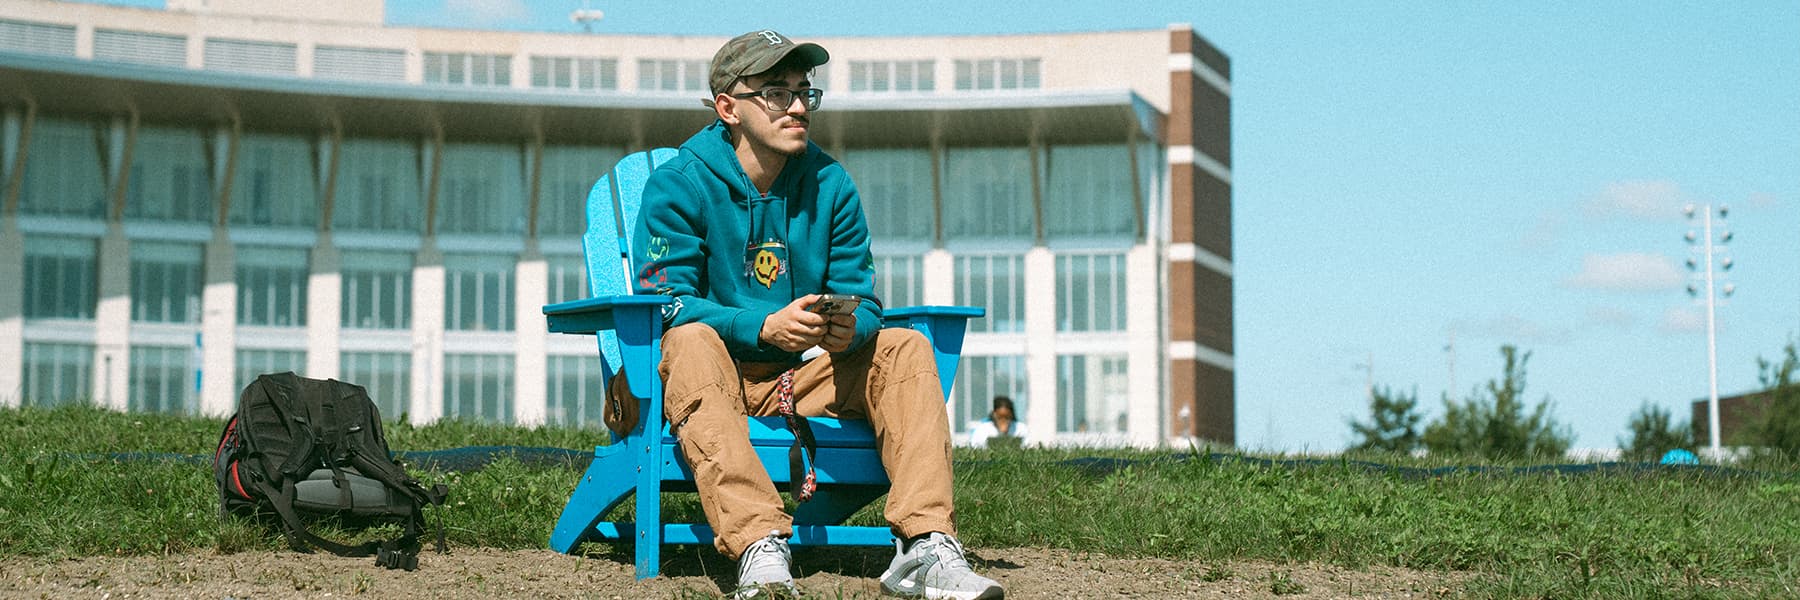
{"points": [[891, 381]]}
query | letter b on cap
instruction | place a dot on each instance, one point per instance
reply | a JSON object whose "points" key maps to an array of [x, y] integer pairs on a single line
{"points": [[774, 38]]}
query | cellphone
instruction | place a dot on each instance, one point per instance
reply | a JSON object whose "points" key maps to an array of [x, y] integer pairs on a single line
{"points": [[835, 304]]}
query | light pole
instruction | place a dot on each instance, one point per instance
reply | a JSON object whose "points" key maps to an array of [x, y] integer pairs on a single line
{"points": [[1710, 247], [586, 16]]}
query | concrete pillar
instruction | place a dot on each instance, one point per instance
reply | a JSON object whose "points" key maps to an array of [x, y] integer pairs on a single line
{"points": [[530, 395], [324, 308], [112, 321], [12, 314], [84, 41], [1143, 320], [218, 328], [428, 335], [1040, 344], [938, 269]]}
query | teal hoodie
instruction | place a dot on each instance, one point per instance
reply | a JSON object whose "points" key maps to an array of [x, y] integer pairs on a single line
{"points": [[730, 256]]}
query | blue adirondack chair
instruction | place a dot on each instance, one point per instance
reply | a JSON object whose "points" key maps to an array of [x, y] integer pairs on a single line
{"points": [[647, 461]]}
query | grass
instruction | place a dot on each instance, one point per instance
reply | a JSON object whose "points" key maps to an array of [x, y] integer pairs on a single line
{"points": [[1661, 533]]}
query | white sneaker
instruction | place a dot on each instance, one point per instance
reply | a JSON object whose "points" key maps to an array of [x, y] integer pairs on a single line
{"points": [[763, 570], [935, 568]]}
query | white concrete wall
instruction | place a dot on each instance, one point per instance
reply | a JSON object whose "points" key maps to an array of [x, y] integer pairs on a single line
{"points": [[218, 328]]}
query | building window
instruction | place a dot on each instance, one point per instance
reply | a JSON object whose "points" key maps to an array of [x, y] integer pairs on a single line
{"points": [[567, 277], [996, 282], [140, 47], [999, 74], [880, 76], [987, 194], [478, 292], [567, 175], [248, 56], [271, 286], [377, 290], [1090, 292], [895, 188], [1088, 193], [64, 278], [478, 387], [165, 282], [1092, 394], [900, 280], [475, 70], [163, 380], [360, 64], [170, 180], [63, 176], [57, 374], [671, 75], [980, 378], [251, 363], [37, 38], [481, 190], [274, 184], [574, 73], [386, 375], [378, 187], [576, 392]]}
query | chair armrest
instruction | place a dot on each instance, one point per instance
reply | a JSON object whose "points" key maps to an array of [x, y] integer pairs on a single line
{"points": [[630, 330], [592, 315], [943, 326]]}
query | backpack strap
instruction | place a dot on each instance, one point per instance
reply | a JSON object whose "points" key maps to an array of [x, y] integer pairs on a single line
{"points": [[283, 501]]}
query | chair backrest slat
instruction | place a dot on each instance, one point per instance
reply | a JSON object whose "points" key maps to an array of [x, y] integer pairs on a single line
{"points": [[612, 211]]}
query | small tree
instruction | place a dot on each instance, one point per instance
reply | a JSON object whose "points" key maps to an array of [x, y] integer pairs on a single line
{"points": [[1496, 426], [1653, 434], [1778, 429], [1393, 423]]}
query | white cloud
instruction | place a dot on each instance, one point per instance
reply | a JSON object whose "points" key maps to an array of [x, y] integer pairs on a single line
{"points": [[1545, 233], [1514, 329], [1763, 200], [487, 11], [1685, 319], [1612, 317], [1627, 272], [1649, 199]]}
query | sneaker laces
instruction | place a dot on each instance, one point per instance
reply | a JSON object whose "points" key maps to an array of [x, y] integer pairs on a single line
{"points": [[948, 551], [771, 549]]}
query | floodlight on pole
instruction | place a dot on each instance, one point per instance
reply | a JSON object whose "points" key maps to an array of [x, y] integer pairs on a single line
{"points": [[586, 16], [1709, 247]]}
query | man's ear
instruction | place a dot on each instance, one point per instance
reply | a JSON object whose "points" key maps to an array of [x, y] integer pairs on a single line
{"points": [[726, 107]]}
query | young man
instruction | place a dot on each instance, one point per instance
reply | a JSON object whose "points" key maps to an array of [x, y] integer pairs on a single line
{"points": [[745, 228]]}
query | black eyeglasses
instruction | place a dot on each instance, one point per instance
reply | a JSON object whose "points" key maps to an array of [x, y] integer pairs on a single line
{"points": [[779, 99]]}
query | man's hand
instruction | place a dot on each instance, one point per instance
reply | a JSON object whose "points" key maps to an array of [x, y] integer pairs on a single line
{"points": [[794, 329], [839, 329]]}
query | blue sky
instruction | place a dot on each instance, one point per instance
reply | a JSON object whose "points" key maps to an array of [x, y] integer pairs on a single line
{"points": [[1405, 172], [1507, 173]]}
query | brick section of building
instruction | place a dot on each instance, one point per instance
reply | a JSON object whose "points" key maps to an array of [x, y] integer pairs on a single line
{"points": [[1202, 394]]}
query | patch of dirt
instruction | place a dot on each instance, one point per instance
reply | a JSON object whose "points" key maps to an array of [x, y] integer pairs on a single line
{"points": [[689, 572]]}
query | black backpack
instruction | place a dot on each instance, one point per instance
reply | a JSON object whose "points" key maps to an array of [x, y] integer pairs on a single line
{"points": [[314, 447]]}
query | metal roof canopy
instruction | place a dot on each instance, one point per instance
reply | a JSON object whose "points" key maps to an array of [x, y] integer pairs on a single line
{"points": [[62, 85]]}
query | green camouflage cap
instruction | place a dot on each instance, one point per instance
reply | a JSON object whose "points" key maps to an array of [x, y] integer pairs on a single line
{"points": [[757, 52]]}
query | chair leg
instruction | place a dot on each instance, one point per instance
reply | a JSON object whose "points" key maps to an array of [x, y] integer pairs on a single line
{"points": [[599, 490], [831, 506], [649, 508]]}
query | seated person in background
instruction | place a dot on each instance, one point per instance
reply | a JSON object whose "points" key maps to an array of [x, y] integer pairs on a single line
{"points": [[1001, 426]]}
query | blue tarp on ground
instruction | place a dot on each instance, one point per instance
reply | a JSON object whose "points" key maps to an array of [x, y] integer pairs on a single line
{"points": [[473, 458]]}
